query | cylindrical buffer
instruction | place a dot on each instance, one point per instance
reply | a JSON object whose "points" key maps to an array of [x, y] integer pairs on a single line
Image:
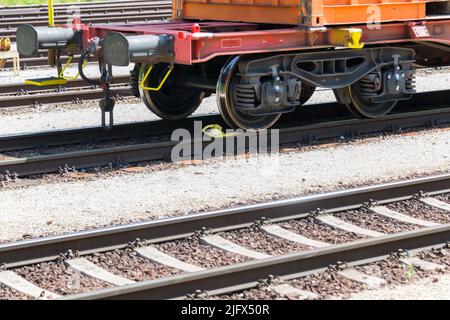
{"points": [[121, 50], [30, 39]]}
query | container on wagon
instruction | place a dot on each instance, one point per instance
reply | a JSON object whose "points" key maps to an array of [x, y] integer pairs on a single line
{"points": [[308, 12]]}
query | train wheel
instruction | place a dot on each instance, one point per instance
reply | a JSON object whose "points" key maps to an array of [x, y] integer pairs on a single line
{"points": [[306, 93], [134, 80], [170, 102], [359, 105], [226, 85]]}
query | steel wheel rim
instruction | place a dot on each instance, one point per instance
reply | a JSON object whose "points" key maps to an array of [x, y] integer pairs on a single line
{"points": [[164, 102], [366, 109], [225, 107]]}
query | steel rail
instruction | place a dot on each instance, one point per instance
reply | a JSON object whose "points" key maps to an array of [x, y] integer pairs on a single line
{"points": [[64, 17], [40, 61], [74, 95], [142, 130], [161, 149], [14, 89], [246, 275], [10, 15], [11, 33], [140, 15], [104, 239], [68, 4], [162, 10]]}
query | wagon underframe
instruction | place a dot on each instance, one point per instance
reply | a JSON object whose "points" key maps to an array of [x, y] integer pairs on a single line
{"points": [[196, 42]]}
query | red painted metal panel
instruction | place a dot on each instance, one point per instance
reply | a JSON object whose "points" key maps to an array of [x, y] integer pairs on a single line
{"points": [[214, 39], [301, 12]]}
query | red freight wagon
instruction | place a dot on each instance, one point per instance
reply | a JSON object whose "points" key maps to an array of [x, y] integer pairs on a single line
{"points": [[306, 12], [262, 58]]}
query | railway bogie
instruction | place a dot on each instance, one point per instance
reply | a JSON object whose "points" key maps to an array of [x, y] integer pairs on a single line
{"points": [[258, 71]]}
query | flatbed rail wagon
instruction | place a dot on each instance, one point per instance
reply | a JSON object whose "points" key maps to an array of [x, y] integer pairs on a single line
{"points": [[262, 58]]}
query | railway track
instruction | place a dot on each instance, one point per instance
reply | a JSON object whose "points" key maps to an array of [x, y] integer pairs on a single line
{"points": [[144, 14], [75, 95], [17, 89], [126, 19], [111, 12], [63, 6], [18, 95], [152, 15], [41, 61], [41, 13], [208, 252], [151, 140]]}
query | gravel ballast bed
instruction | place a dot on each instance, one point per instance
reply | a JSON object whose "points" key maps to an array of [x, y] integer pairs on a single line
{"points": [[218, 184], [372, 221], [422, 211], [316, 230], [260, 241], [9, 294], [191, 251], [128, 264], [395, 272], [325, 285], [73, 148], [443, 197], [56, 277], [328, 284], [441, 257], [263, 293], [66, 116]]}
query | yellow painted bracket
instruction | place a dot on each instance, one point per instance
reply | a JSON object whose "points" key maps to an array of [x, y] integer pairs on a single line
{"points": [[216, 131], [143, 87], [43, 82], [61, 75], [61, 79], [55, 81], [348, 37]]}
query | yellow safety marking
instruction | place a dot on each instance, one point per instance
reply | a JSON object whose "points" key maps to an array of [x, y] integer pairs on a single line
{"points": [[216, 131], [61, 75], [43, 82], [143, 87], [348, 37], [51, 14], [55, 81]]}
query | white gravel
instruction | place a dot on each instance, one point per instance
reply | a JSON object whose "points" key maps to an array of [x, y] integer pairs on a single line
{"points": [[43, 119], [46, 118], [52, 208], [7, 76], [434, 288], [59, 207]]}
